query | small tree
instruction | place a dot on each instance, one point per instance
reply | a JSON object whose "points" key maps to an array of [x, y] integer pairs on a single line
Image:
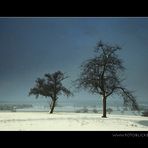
{"points": [[50, 86], [145, 113], [101, 75], [109, 110]]}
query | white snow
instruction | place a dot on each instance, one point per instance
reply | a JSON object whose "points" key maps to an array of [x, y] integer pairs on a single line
{"points": [[63, 121]]}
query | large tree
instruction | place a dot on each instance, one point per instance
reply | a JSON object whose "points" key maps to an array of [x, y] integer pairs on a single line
{"points": [[50, 86], [102, 75]]}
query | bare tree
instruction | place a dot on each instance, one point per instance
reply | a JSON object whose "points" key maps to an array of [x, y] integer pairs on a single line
{"points": [[102, 75], [50, 86]]}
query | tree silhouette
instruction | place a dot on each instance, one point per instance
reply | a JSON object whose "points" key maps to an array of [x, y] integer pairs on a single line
{"points": [[102, 75], [50, 86]]}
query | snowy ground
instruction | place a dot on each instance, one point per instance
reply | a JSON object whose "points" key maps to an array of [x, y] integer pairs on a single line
{"points": [[62, 121]]}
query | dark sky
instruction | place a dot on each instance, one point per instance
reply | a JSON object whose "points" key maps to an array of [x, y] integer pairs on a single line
{"points": [[31, 47]]}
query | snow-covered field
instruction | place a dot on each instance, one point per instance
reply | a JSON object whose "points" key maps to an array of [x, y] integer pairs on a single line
{"points": [[62, 121]]}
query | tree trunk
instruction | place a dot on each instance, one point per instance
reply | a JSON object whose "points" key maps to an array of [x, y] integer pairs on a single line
{"points": [[52, 107], [104, 107]]}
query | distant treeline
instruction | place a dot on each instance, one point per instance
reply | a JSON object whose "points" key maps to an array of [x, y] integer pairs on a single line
{"points": [[13, 107]]}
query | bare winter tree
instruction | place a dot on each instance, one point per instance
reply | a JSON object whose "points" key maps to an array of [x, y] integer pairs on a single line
{"points": [[50, 86], [102, 75]]}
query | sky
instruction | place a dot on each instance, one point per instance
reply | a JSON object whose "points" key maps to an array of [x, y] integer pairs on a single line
{"points": [[31, 47]]}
